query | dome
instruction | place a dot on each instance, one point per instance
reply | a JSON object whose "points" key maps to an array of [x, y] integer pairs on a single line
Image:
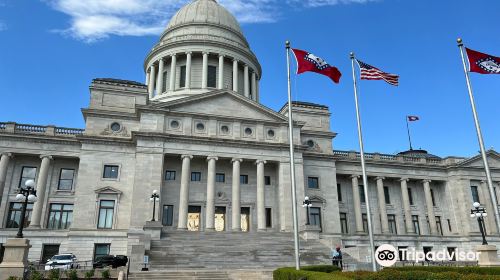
{"points": [[418, 154]]}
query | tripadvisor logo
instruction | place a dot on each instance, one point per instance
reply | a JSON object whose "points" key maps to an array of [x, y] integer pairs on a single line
{"points": [[386, 255]]}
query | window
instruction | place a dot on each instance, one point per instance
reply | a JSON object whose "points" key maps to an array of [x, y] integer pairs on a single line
{"points": [[28, 173], [170, 175], [106, 209], [339, 192], [2, 250], [343, 223], [410, 196], [195, 176], [168, 215], [212, 76], [313, 182], [244, 179], [48, 251], [365, 222], [60, 216], [101, 250], [391, 218], [452, 252], [267, 180], [14, 218], [315, 216], [449, 225], [362, 197], [432, 198], [475, 194], [416, 224], [164, 82], [387, 195], [438, 225], [110, 172], [182, 78], [220, 177], [269, 218], [66, 179]]}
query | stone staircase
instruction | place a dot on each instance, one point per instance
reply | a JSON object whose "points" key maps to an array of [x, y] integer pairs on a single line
{"points": [[203, 275]]}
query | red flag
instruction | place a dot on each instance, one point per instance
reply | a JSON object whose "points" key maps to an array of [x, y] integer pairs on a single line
{"points": [[483, 63], [309, 62], [413, 118]]}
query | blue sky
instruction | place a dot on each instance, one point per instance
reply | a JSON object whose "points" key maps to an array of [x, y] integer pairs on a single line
{"points": [[50, 51]]}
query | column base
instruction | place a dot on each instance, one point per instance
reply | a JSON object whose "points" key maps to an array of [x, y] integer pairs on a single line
{"points": [[262, 229], [34, 227]]}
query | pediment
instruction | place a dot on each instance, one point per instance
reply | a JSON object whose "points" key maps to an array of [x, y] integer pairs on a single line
{"points": [[222, 103], [477, 161], [108, 190]]}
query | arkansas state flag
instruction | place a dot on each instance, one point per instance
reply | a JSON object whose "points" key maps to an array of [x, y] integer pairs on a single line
{"points": [[309, 62], [483, 63]]}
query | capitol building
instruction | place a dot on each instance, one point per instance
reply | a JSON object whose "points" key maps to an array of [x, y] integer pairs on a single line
{"points": [[197, 133]]}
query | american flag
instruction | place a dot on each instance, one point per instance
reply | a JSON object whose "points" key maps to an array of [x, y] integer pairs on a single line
{"points": [[369, 72]]}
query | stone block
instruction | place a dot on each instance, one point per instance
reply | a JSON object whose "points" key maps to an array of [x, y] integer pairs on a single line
{"points": [[310, 232], [487, 255], [15, 258]]}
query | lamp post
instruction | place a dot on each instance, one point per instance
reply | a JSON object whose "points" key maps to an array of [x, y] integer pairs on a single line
{"points": [[154, 198], [25, 195], [480, 213], [307, 204]]}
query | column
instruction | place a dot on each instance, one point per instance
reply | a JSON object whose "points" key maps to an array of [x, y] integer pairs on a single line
{"points": [[254, 86], [236, 207], [261, 209], [430, 207], [40, 192], [406, 206], [173, 66], [159, 82], [152, 79], [246, 82], [221, 72], [357, 204], [381, 204], [204, 71], [147, 77], [184, 192], [485, 197], [188, 69], [4, 165], [235, 75], [210, 219], [257, 90]]}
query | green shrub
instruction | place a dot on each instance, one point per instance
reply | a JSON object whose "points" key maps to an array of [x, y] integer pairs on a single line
{"points": [[105, 274], [89, 274], [14, 278], [290, 273], [321, 268], [54, 274], [36, 275], [71, 274], [461, 270]]}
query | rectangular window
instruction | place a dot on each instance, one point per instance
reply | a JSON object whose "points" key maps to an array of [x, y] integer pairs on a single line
{"points": [[2, 250], [339, 192], [269, 218], [267, 180], [365, 222], [195, 176], [438, 225], [387, 195], [66, 179], [313, 182], [416, 224], [475, 194], [170, 175], [106, 211], [244, 179], [212, 76], [432, 198], [14, 218], [164, 82], [28, 173], [110, 172], [182, 78], [391, 218], [220, 177], [315, 216], [449, 225], [343, 223], [60, 216], [168, 215], [362, 197], [48, 251], [101, 250], [410, 196]]}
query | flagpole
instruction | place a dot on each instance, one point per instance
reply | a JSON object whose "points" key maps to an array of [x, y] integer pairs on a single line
{"points": [[292, 163], [408, 128], [363, 168], [480, 137]]}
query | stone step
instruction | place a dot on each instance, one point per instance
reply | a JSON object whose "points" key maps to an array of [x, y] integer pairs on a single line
{"points": [[236, 274]]}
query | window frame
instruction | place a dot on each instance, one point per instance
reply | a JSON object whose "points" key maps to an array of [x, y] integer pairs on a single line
{"points": [[339, 192], [362, 195], [61, 179], [364, 219], [106, 208], [387, 195], [243, 179], [168, 219], [267, 180], [311, 179], [108, 245], [110, 165], [416, 224], [219, 176], [312, 215], [475, 194], [391, 220], [439, 225], [21, 177], [269, 217], [212, 75], [433, 198], [344, 225], [195, 176], [182, 76], [27, 215], [410, 196], [60, 213], [168, 175]]}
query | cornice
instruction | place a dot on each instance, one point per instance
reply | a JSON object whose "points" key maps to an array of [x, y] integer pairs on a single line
{"points": [[113, 114], [91, 139], [40, 138], [319, 133]]}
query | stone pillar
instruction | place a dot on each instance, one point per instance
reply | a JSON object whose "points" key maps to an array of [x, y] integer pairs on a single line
{"points": [[430, 207], [235, 75], [184, 192], [4, 165], [221, 72], [406, 205], [204, 71], [210, 218], [381, 205], [357, 204], [40, 192], [254, 86], [236, 207], [147, 78], [257, 89], [15, 259], [173, 67], [261, 209], [152, 79], [188, 69], [159, 81], [246, 82]]}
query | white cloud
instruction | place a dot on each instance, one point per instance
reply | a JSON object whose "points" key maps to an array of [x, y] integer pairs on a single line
{"points": [[93, 20]]}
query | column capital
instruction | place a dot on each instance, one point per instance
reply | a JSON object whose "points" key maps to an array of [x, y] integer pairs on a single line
{"points": [[404, 179], [355, 176], [212, 158], [379, 178], [205, 53], [152, 66], [221, 55], [189, 52], [260, 161], [186, 156], [161, 59], [173, 55], [46, 156], [426, 181], [235, 60], [245, 65], [236, 159]]}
